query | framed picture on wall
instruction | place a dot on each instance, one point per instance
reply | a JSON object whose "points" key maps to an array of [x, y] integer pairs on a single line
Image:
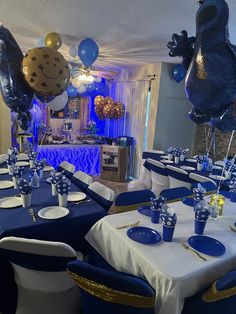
{"points": [[72, 110]]}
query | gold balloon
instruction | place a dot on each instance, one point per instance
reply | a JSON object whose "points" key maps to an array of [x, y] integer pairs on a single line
{"points": [[110, 101], [108, 98], [108, 111], [53, 40], [99, 100], [46, 71], [99, 112], [119, 110]]}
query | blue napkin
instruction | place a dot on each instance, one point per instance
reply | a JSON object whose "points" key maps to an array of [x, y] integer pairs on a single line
{"points": [[56, 176], [168, 217], [32, 155], [229, 165], [232, 184], [202, 211], [157, 203], [17, 171], [199, 193], [177, 152], [170, 150], [201, 159], [63, 186], [39, 164], [24, 186]]}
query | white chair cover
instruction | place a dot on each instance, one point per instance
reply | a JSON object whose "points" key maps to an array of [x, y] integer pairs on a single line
{"points": [[201, 179], [178, 177], [67, 166], [3, 158], [84, 177], [41, 291], [159, 176], [219, 163], [102, 190]]}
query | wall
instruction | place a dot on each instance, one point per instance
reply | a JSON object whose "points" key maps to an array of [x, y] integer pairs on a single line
{"points": [[5, 127], [173, 127]]}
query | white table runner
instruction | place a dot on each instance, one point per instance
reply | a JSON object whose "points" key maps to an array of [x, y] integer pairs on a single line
{"points": [[175, 273]]}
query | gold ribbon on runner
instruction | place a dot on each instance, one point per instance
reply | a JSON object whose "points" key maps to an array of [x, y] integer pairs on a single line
{"points": [[111, 295], [212, 294], [126, 208]]}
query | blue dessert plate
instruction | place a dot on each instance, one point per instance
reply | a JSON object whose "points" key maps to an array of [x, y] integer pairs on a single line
{"points": [[145, 210], [188, 201], [144, 235], [207, 245]]}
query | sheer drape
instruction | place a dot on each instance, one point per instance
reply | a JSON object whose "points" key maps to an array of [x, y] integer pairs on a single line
{"points": [[133, 94]]}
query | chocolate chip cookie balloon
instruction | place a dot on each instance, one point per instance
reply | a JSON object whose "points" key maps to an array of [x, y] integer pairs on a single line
{"points": [[46, 71]]}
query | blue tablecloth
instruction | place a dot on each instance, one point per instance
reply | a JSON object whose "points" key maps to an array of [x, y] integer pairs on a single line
{"points": [[70, 229]]}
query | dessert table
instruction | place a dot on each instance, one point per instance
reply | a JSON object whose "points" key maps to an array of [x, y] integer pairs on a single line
{"points": [[174, 272]]}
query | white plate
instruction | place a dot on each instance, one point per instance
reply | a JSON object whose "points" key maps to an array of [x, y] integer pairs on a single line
{"points": [[166, 161], [22, 163], [4, 170], [53, 212], [10, 202], [191, 160], [6, 184], [76, 196], [187, 168], [48, 168], [164, 156]]}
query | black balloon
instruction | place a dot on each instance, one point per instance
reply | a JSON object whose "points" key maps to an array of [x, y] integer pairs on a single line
{"points": [[14, 90], [211, 77]]}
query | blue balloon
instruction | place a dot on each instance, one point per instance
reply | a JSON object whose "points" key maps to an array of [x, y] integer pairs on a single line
{"points": [[72, 91], [178, 73], [90, 87], [88, 51], [100, 89]]}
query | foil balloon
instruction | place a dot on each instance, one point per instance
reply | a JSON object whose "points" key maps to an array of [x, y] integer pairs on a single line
{"points": [[119, 110], [53, 41], [46, 71], [210, 61], [99, 100], [15, 92], [108, 111]]}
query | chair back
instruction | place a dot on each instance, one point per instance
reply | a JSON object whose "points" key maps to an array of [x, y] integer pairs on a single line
{"points": [[218, 299], [159, 176], [81, 180], [68, 168], [191, 162], [219, 163], [153, 154], [3, 158], [176, 194], [178, 177], [132, 200], [101, 194], [217, 170], [197, 178], [40, 274], [108, 291]]}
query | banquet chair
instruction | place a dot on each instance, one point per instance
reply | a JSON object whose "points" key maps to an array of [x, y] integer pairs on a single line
{"points": [[23, 157], [175, 194], [200, 179], [132, 200], [109, 291], [220, 298], [101, 194], [219, 163], [145, 172], [217, 170], [178, 177], [159, 176], [68, 169], [40, 273], [81, 180], [191, 162]]}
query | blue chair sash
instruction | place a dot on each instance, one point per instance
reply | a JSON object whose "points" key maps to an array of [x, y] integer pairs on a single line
{"points": [[157, 169], [80, 184], [67, 173], [176, 193], [178, 176], [106, 204], [38, 262]]}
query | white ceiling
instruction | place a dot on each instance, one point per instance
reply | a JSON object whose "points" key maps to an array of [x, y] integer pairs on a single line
{"points": [[127, 31]]}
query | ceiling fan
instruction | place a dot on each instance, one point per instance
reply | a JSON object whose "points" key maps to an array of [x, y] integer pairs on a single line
{"points": [[79, 69]]}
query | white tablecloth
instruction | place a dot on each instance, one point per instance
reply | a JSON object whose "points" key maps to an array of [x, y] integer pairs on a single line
{"points": [[175, 273]]}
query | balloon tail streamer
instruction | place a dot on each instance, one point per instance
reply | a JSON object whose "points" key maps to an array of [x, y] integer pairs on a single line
{"points": [[226, 157], [213, 132]]}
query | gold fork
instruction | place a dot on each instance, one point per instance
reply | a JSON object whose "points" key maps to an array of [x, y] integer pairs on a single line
{"points": [[193, 251], [129, 225]]}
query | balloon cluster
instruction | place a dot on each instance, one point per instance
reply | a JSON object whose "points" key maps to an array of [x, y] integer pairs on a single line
{"points": [[106, 107]]}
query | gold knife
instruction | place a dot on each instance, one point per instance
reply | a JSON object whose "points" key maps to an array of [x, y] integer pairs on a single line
{"points": [[194, 252]]}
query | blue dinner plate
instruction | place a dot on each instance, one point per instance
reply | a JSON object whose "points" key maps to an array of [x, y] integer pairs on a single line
{"points": [[207, 245], [145, 210], [188, 201], [144, 235]]}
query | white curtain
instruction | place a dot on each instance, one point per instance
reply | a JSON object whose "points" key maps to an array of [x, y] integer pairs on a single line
{"points": [[134, 95]]}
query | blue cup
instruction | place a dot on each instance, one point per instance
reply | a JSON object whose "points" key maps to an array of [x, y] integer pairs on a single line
{"points": [[155, 216], [233, 196], [199, 226], [168, 232], [195, 202]]}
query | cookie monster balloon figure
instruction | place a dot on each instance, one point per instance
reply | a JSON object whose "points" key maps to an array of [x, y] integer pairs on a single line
{"points": [[210, 61], [13, 87]]}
